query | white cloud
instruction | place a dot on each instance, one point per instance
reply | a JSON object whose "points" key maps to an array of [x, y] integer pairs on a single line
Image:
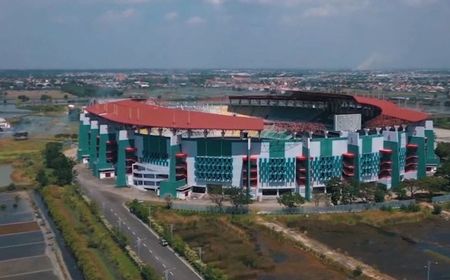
{"points": [[419, 3], [112, 16], [130, 2], [215, 2], [195, 20], [171, 16]]}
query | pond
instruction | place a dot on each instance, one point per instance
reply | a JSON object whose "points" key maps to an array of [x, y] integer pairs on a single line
{"points": [[5, 174], [36, 124]]}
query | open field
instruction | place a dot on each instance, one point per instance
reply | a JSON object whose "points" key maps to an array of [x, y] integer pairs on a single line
{"points": [[244, 250], [11, 150], [396, 243], [442, 135], [36, 94]]}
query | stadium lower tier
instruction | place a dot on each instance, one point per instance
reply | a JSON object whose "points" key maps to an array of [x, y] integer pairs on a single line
{"points": [[178, 165]]}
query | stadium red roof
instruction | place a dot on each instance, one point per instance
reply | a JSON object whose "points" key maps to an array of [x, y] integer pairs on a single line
{"points": [[137, 113], [392, 110]]}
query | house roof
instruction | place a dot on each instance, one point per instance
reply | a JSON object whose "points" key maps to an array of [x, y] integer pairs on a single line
{"points": [[137, 113]]}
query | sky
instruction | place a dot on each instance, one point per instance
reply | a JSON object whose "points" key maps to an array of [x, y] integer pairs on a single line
{"points": [[303, 34]]}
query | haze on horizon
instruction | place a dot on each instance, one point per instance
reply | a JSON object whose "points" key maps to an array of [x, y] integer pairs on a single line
{"points": [[99, 34]]}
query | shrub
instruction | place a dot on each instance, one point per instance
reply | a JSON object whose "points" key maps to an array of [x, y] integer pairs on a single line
{"points": [[357, 271], [11, 187], [148, 273], [410, 208], [437, 209], [386, 208]]}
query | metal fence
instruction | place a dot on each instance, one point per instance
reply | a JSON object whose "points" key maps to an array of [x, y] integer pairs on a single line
{"points": [[300, 210], [441, 199], [344, 208]]}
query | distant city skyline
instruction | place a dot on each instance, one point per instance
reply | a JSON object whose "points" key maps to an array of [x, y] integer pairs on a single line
{"points": [[229, 34]]}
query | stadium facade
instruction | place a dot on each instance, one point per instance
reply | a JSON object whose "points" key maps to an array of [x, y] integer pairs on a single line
{"points": [[285, 143]]}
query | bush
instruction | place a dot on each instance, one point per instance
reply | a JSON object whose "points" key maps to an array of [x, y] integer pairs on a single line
{"points": [[148, 273], [437, 209], [11, 187], [410, 208], [357, 271], [379, 195], [386, 208]]}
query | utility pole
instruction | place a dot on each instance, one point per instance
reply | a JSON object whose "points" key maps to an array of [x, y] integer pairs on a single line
{"points": [[428, 267], [200, 253], [138, 243], [166, 273]]}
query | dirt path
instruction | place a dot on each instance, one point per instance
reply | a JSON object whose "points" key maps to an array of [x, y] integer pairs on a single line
{"points": [[318, 248]]}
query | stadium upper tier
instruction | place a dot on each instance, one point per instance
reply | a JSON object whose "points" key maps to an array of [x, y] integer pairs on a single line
{"points": [[321, 107], [140, 114]]}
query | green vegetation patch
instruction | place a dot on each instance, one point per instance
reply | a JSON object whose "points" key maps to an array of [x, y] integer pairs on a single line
{"points": [[98, 255]]}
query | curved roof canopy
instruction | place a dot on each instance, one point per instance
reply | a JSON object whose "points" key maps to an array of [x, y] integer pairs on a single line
{"points": [[390, 109], [131, 112]]}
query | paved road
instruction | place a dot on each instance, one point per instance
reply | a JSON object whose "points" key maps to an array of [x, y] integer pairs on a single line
{"points": [[142, 240]]}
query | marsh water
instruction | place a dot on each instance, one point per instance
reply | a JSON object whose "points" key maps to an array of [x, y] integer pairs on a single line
{"points": [[401, 250], [35, 123], [5, 174]]}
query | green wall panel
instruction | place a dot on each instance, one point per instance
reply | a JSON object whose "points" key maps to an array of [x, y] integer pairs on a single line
{"points": [[326, 147], [213, 147], [276, 148]]}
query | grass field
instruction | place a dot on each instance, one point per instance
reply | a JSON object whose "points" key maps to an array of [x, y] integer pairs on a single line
{"points": [[242, 249], [36, 94], [373, 218], [11, 150]]}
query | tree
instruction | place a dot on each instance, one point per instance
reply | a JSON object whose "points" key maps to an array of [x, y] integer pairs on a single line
{"points": [[444, 170], [23, 98], [443, 150], [411, 186], [321, 197], [41, 178], [238, 197], [169, 201], [341, 191], [379, 195], [216, 195], [334, 187], [291, 200], [434, 184], [45, 97]]}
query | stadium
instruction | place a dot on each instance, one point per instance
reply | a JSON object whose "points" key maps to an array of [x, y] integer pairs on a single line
{"points": [[270, 144]]}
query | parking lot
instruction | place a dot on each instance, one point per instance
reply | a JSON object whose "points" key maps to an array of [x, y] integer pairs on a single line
{"points": [[26, 247]]}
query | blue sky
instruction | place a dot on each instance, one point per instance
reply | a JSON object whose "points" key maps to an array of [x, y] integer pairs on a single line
{"points": [[356, 34]]}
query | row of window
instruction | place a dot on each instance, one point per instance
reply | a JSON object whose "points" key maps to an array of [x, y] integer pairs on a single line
{"points": [[151, 176], [145, 183]]}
